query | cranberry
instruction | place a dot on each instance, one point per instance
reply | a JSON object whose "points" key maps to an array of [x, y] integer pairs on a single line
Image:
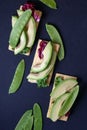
{"points": [[40, 53], [40, 50], [27, 6], [36, 16], [31, 6], [43, 43]]}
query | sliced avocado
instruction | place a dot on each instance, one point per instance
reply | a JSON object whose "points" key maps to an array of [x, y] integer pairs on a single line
{"points": [[23, 38], [69, 102], [41, 75], [14, 20], [57, 107], [22, 43], [63, 87], [47, 57], [31, 32]]}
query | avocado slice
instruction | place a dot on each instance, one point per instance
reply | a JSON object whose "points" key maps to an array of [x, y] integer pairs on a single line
{"points": [[22, 44], [20, 12], [47, 57], [41, 75], [57, 107], [63, 87], [31, 32], [69, 102], [23, 38], [32, 28]]}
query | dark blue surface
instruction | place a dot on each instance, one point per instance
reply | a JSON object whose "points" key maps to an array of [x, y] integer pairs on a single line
{"points": [[71, 19]]}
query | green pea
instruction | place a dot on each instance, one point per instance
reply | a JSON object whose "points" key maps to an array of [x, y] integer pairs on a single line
{"points": [[18, 76], [50, 3], [18, 28], [37, 117], [55, 37], [69, 102], [26, 121]]}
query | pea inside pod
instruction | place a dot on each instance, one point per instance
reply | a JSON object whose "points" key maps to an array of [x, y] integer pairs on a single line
{"points": [[18, 76]]}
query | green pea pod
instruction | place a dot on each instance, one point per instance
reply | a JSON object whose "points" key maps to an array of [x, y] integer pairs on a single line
{"points": [[69, 102], [26, 121], [23, 40], [55, 37], [18, 28], [37, 117], [18, 76], [49, 3]]}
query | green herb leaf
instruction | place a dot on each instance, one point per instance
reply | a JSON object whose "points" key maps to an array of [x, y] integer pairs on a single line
{"points": [[50, 3], [25, 50], [18, 76], [42, 82], [56, 38], [37, 117], [58, 80]]}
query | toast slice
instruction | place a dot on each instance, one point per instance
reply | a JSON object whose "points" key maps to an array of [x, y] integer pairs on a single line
{"points": [[37, 60], [66, 116]]}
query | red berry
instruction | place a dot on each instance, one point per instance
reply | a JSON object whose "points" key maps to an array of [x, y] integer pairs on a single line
{"points": [[40, 50]]}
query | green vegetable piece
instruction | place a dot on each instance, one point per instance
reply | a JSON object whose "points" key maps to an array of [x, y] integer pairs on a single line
{"points": [[26, 121], [18, 28], [37, 117], [31, 29], [69, 102], [25, 50], [58, 80], [14, 20], [42, 82], [23, 38], [50, 3], [18, 76], [47, 52], [54, 113], [43, 74], [20, 12], [55, 37], [63, 87]]}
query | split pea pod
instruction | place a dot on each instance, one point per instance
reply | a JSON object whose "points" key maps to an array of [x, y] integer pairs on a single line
{"points": [[18, 76]]}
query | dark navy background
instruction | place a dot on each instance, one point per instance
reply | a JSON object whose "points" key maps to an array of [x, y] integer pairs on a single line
{"points": [[71, 19]]}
